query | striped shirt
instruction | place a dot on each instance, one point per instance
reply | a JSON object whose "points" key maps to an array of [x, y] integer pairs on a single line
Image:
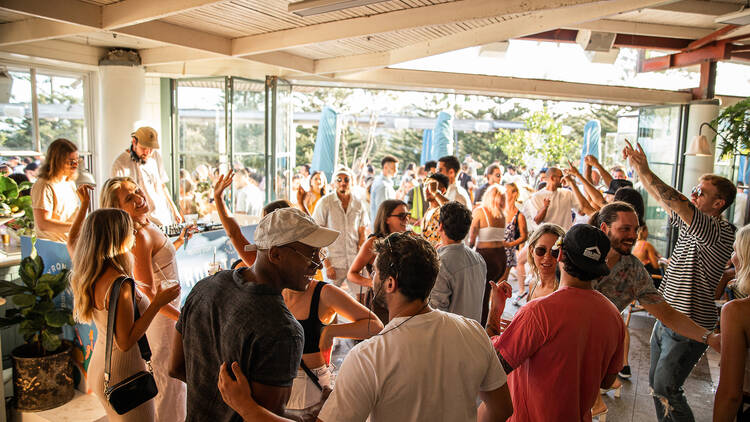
{"points": [[702, 251]]}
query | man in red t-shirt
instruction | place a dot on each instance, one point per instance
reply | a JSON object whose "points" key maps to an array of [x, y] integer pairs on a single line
{"points": [[560, 349]]}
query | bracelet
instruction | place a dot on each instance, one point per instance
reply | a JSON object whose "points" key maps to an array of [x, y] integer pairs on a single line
{"points": [[706, 335]]}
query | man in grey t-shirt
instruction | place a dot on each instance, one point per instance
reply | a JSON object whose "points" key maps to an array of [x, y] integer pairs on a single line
{"points": [[241, 316]]}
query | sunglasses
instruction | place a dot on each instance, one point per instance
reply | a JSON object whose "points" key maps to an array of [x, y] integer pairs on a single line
{"points": [[342, 180], [540, 251], [316, 261], [697, 191], [401, 216], [74, 163]]}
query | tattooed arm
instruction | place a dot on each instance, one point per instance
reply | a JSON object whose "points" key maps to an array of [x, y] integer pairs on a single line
{"points": [[670, 198]]}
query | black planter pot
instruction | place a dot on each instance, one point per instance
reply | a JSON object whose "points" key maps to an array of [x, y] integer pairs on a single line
{"points": [[42, 383]]}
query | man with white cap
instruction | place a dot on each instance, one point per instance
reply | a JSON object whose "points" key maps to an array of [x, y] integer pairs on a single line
{"points": [[342, 211], [240, 316], [143, 163]]}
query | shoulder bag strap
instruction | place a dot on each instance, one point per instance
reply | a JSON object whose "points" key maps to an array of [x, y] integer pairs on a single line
{"points": [[311, 374], [143, 346]]}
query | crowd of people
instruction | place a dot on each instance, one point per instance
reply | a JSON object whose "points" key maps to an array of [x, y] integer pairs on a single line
{"points": [[416, 269]]}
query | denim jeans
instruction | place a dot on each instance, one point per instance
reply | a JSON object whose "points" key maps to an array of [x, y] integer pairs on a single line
{"points": [[672, 359]]}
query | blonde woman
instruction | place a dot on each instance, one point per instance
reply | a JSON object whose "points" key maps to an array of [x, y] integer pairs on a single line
{"points": [[53, 196], [735, 337], [487, 233], [543, 253], [100, 256], [155, 262], [516, 231]]}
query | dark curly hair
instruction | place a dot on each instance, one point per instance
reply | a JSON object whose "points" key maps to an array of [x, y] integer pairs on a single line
{"points": [[456, 220], [411, 260]]}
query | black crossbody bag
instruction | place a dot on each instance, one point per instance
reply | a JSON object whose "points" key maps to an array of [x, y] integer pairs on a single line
{"points": [[139, 388]]}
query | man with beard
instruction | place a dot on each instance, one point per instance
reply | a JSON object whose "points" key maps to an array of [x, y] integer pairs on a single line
{"points": [[240, 316], [434, 190], [345, 213], [628, 279], [143, 163], [425, 364]]}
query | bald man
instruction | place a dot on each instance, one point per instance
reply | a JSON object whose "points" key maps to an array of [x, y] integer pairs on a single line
{"points": [[552, 204]]}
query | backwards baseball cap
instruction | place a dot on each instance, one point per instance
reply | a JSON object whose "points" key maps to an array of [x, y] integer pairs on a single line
{"points": [[146, 137], [287, 225], [587, 247], [617, 184]]}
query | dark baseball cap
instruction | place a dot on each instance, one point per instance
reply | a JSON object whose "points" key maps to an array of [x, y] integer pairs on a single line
{"points": [[617, 184], [587, 247]]}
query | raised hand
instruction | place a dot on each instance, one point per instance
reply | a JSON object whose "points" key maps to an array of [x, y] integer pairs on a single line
{"points": [[165, 296], [546, 202], [225, 180], [590, 160], [636, 157], [84, 195]]}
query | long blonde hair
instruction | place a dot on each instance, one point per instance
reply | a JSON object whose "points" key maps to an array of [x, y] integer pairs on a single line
{"points": [[489, 197], [742, 240], [546, 228], [105, 240], [109, 198]]}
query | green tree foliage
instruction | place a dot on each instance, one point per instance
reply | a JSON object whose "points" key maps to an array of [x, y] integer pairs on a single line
{"points": [[733, 125], [542, 141], [16, 133]]}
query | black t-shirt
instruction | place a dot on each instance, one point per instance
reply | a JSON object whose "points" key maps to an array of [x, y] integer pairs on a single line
{"points": [[226, 319], [480, 193], [464, 179]]}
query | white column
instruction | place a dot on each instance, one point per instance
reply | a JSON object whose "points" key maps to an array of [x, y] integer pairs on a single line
{"points": [[702, 111], [121, 105]]}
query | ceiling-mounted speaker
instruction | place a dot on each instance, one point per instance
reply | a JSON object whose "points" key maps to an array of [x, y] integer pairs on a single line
{"points": [[595, 41]]}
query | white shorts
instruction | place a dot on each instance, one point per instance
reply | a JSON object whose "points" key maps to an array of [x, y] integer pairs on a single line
{"points": [[304, 392]]}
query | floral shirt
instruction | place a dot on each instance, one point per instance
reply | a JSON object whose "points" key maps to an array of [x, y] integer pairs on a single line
{"points": [[430, 226], [627, 281]]}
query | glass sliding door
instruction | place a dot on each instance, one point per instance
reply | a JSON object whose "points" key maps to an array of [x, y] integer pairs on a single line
{"points": [[660, 134], [201, 151], [248, 148], [284, 146]]}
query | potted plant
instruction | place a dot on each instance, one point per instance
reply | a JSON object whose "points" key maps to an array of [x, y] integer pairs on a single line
{"points": [[733, 126], [42, 367], [15, 210]]}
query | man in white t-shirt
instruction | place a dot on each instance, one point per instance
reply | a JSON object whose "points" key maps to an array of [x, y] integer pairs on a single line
{"points": [[450, 168], [552, 204], [143, 163], [425, 365]]}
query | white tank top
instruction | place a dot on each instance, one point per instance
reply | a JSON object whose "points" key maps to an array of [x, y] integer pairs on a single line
{"points": [[489, 233]]}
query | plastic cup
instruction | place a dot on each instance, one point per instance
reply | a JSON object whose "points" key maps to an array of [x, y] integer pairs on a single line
{"points": [[166, 284], [213, 268]]}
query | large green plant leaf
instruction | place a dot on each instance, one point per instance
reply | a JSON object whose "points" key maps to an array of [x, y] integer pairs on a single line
{"points": [[9, 289], [27, 271], [57, 318], [8, 187], [24, 300], [50, 342], [43, 289]]}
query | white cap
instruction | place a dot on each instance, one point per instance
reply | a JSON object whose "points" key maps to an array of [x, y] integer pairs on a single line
{"points": [[287, 225]]}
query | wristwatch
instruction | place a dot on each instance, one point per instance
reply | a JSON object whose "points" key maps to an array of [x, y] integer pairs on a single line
{"points": [[707, 334]]}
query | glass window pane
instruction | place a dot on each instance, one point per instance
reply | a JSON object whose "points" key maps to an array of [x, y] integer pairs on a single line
{"points": [[61, 109], [201, 144], [284, 142], [16, 123], [658, 134], [249, 186], [201, 110]]}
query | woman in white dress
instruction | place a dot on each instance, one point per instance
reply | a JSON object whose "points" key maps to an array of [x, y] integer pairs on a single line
{"points": [[101, 255], [154, 263]]}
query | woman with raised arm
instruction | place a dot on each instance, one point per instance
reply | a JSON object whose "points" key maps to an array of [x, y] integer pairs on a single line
{"points": [[101, 256], [735, 337], [315, 309], [391, 218], [155, 263]]}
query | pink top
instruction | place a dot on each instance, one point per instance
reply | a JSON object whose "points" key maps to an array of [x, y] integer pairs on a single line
{"points": [[561, 347]]}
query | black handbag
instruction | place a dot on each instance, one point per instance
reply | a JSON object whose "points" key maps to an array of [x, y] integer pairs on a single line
{"points": [[140, 387]]}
